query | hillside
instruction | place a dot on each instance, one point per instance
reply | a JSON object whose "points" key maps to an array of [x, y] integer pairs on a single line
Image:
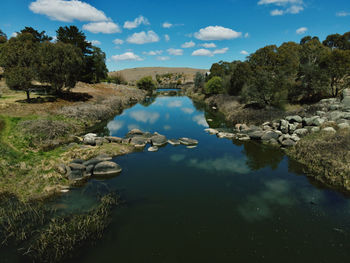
{"points": [[134, 74]]}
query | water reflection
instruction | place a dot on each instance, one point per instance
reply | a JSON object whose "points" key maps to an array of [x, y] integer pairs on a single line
{"points": [[226, 163], [145, 116]]}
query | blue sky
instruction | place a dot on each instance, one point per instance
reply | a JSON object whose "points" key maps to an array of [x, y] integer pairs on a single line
{"points": [[180, 33]]}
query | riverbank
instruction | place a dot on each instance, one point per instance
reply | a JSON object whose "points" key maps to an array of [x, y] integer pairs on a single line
{"points": [[36, 137], [317, 136]]}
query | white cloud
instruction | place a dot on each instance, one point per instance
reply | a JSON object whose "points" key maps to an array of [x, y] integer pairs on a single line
{"points": [[167, 38], [209, 53], [285, 6], [137, 22], [175, 52], [216, 33], [126, 56], [209, 45], [188, 44], [164, 58], [102, 27], [167, 25], [153, 52], [143, 38], [14, 34], [67, 11], [343, 13], [301, 31], [118, 41], [175, 104], [145, 116], [202, 52], [220, 51], [246, 35], [200, 120], [188, 110], [243, 52], [115, 126], [95, 42]]}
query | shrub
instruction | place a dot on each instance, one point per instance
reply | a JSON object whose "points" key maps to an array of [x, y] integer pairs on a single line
{"points": [[214, 86], [146, 83]]}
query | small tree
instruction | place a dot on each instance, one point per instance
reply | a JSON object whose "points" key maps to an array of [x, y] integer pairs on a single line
{"points": [[60, 65], [214, 86], [199, 81], [19, 57], [146, 83]]}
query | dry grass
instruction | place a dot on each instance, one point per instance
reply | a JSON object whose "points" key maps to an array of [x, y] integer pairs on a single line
{"points": [[326, 157]]}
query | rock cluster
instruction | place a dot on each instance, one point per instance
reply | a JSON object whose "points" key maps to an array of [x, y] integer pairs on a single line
{"points": [[334, 114], [79, 170]]}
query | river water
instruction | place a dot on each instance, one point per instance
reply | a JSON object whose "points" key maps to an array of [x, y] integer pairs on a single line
{"points": [[224, 201]]}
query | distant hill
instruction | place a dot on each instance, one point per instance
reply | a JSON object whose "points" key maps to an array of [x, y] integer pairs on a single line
{"points": [[134, 74]]}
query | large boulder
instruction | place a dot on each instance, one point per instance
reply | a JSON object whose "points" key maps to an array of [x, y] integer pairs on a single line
{"points": [[158, 140], [329, 130], [346, 98], [212, 131], [97, 159], [301, 132], [256, 135], [76, 172], [335, 115], [284, 126], [139, 141], [134, 132], [188, 141], [318, 121], [309, 121], [90, 139], [270, 135], [107, 168], [294, 118], [113, 139], [174, 142]]}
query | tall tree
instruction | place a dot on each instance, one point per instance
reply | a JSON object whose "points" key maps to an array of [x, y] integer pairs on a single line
{"points": [[199, 81], [39, 37], [95, 69], [72, 35], [3, 37], [60, 65]]}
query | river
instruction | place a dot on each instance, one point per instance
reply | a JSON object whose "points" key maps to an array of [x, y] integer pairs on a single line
{"points": [[224, 201]]}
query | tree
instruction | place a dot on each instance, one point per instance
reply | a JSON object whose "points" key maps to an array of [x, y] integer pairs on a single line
{"points": [[337, 65], [38, 37], [146, 83], [199, 81], [214, 86], [337, 41], [239, 78], [96, 69], [72, 35], [3, 37], [60, 65], [19, 57]]}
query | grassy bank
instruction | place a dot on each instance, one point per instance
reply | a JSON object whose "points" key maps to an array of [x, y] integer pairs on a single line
{"points": [[34, 136]]}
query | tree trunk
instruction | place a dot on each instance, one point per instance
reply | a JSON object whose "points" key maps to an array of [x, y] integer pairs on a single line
{"points": [[28, 95]]}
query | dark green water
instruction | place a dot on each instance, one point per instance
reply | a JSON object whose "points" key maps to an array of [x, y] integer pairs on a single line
{"points": [[223, 201]]}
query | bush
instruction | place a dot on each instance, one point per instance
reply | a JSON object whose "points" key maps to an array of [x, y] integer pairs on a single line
{"points": [[146, 83], [214, 86], [117, 79]]}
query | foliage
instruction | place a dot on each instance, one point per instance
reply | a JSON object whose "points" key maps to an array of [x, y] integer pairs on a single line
{"points": [[146, 83], [213, 86], [98, 69], [117, 79], [3, 37], [38, 37], [199, 81], [19, 57], [59, 65]]}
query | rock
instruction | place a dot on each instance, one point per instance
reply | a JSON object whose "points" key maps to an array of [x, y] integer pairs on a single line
{"points": [[226, 135], [342, 121], [126, 140], [301, 132], [90, 139], [191, 147], [242, 137], [292, 127], [139, 141], [328, 101], [295, 138], [256, 135], [273, 142], [334, 107], [158, 140], [320, 113], [309, 121], [294, 118], [288, 143], [344, 125], [153, 149], [318, 121], [188, 141], [335, 115], [107, 168], [284, 126], [77, 173], [346, 115], [79, 161], [174, 142], [346, 97], [269, 135], [114, 139], [329, 129], [97, 159], [212, 131], [315, 129], [134, 132]]}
